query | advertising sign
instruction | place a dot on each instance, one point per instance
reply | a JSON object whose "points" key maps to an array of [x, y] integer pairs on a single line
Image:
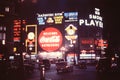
{"points": [[71, 16], [31, 41], [87, 56], [94, 20], [50, 39], [17, 31], [71, 36], [50, 18], [86, 43]]}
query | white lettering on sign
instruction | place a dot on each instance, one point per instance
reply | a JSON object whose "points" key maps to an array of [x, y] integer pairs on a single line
{"points": [[50, 45], [58, 14], [97, 11], [51, 39], [91, 23], [45, 15], [95, 17], [94, 20], [50, 33]]}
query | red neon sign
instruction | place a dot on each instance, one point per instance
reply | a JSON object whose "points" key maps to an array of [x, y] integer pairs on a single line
{"points": [[50, 39], [17, 30]]}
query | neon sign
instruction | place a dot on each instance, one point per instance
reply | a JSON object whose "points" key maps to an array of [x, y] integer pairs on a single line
{"points": [[94, 20], [31, 41], [17, 30], [51, 18], [71, 16], [58, 19], [71, 32], [50, 39]]}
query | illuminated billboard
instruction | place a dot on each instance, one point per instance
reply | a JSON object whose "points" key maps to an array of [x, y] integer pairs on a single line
{"points": [[31, 41], [50, 18], [94, 20], [50, 39], [86, 43], [71, 16], [56, 30], [17, 31], [50, 31], [71, 27], [87, 56]]}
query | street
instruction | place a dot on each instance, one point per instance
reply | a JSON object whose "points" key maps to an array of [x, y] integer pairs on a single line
{"points": [[78, 74]]}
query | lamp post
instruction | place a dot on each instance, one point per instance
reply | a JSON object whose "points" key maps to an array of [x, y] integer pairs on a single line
{"points": [[74, 42], [63, 49]]}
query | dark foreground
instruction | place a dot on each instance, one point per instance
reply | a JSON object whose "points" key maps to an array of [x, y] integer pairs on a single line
{"points": [[77, 74]]}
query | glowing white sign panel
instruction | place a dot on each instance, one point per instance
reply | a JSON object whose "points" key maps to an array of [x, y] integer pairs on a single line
{"points": [[87, 56], [71, 16]]}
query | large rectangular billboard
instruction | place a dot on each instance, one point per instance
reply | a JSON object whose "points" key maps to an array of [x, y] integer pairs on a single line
{"points": [[50, 31]]}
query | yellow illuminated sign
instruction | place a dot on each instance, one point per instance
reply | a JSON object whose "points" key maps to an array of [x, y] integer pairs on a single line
{"points": [[71, 29], [31, 41], [50, 20], [14, 49], [58, 19]]}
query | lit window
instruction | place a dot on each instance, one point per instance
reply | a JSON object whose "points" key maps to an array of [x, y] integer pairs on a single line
{"points": [[7, 9]]}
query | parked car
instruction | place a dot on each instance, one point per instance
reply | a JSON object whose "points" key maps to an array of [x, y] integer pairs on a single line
{"points": [[63, 66]]}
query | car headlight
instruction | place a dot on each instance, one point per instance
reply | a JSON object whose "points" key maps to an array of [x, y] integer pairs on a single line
{"points": [[67, 66]]}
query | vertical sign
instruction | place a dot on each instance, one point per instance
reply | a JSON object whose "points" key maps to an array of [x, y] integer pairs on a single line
{"points": [[17, 31], [71, 19], [31, 41]]}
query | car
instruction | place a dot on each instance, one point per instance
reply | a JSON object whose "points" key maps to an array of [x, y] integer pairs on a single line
{"points": [[59, 60], [82, 64], [46, 63], [114, 65], [103, 65], [63, 66]]}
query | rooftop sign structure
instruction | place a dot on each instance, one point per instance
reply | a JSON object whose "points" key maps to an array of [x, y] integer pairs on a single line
{"points": [[94, 20]]}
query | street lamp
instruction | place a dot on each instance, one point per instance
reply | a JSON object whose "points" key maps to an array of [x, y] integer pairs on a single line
{"points": [[63, 49], [74, 42]]}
